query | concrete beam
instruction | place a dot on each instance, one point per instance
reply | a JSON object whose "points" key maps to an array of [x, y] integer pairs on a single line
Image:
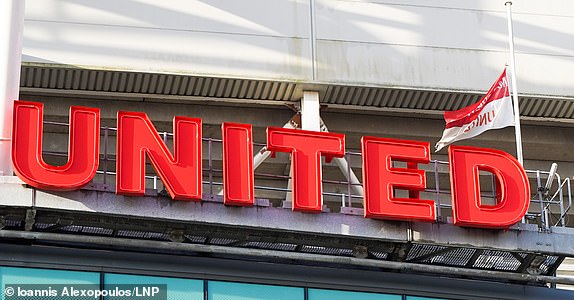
{"points": [[310, 115], [560, 241]]}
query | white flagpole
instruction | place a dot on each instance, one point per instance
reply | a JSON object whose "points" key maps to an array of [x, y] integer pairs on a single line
{"points": [[518, 133]]}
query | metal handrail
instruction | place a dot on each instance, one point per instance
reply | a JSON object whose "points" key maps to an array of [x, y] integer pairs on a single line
{"points": [[555, 203]]}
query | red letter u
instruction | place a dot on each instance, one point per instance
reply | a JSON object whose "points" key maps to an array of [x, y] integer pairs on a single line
{"points": [[180, 173], [83, 149]]}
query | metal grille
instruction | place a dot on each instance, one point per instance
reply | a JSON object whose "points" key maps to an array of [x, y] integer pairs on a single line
{"points": [[97, 230], [143, 235], [271, 246], [43, 226], [222, 241], [379, 255], [450, 257], [142, 84], [549, 263], [154, 84], [327, 250], [423, 250], [498, 260], [530, 106], [196, 239], [72, 228]]}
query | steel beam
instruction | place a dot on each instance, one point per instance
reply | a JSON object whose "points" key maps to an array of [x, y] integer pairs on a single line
{"points": [[40, 237]]}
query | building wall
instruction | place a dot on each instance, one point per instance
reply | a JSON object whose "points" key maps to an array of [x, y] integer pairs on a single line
{"points": [[424, 44], [419, 45]]}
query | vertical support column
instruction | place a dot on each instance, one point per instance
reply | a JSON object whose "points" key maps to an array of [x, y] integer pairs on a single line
{"points": [[310, 120], [11, 28], [310, 115]]}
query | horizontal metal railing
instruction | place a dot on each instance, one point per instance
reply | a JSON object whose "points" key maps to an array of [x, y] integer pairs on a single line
{"points": [[551, 195]]}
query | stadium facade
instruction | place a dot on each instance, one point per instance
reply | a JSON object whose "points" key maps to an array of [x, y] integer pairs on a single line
{"points": [[378, 70]]}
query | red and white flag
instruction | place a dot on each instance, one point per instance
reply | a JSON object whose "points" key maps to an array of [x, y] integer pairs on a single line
{"points": [[493, 111]]}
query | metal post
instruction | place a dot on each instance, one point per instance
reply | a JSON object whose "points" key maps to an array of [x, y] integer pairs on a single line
{"points": [[260, 157], [541, 199], [349, 175], [11, 28], [106, 136], [345, 168], [514, 85], [348, 161], [561, 199], [289, 193], [437, 190], [210, 161], [263, 154], [569, 190]]}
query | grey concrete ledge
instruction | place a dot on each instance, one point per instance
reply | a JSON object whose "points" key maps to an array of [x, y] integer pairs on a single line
{"points": [[521, 237]]}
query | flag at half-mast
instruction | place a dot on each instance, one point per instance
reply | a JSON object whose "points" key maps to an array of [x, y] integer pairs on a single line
{"points": [[492, 111]]}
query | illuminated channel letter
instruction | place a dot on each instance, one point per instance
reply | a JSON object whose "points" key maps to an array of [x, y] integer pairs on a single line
{"points": [[180, 173], [513, 190], [380, 179], [306, 148], [83, 148], [237, 164]]}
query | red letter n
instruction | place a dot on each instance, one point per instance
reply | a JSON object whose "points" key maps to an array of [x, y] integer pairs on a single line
{"points": [[83, 149], [381, 178], [512, 188], [306, 148], [180, 173]]}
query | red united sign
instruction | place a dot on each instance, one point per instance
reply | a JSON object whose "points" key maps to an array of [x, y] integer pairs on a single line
{"points": [[181, 171]]}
